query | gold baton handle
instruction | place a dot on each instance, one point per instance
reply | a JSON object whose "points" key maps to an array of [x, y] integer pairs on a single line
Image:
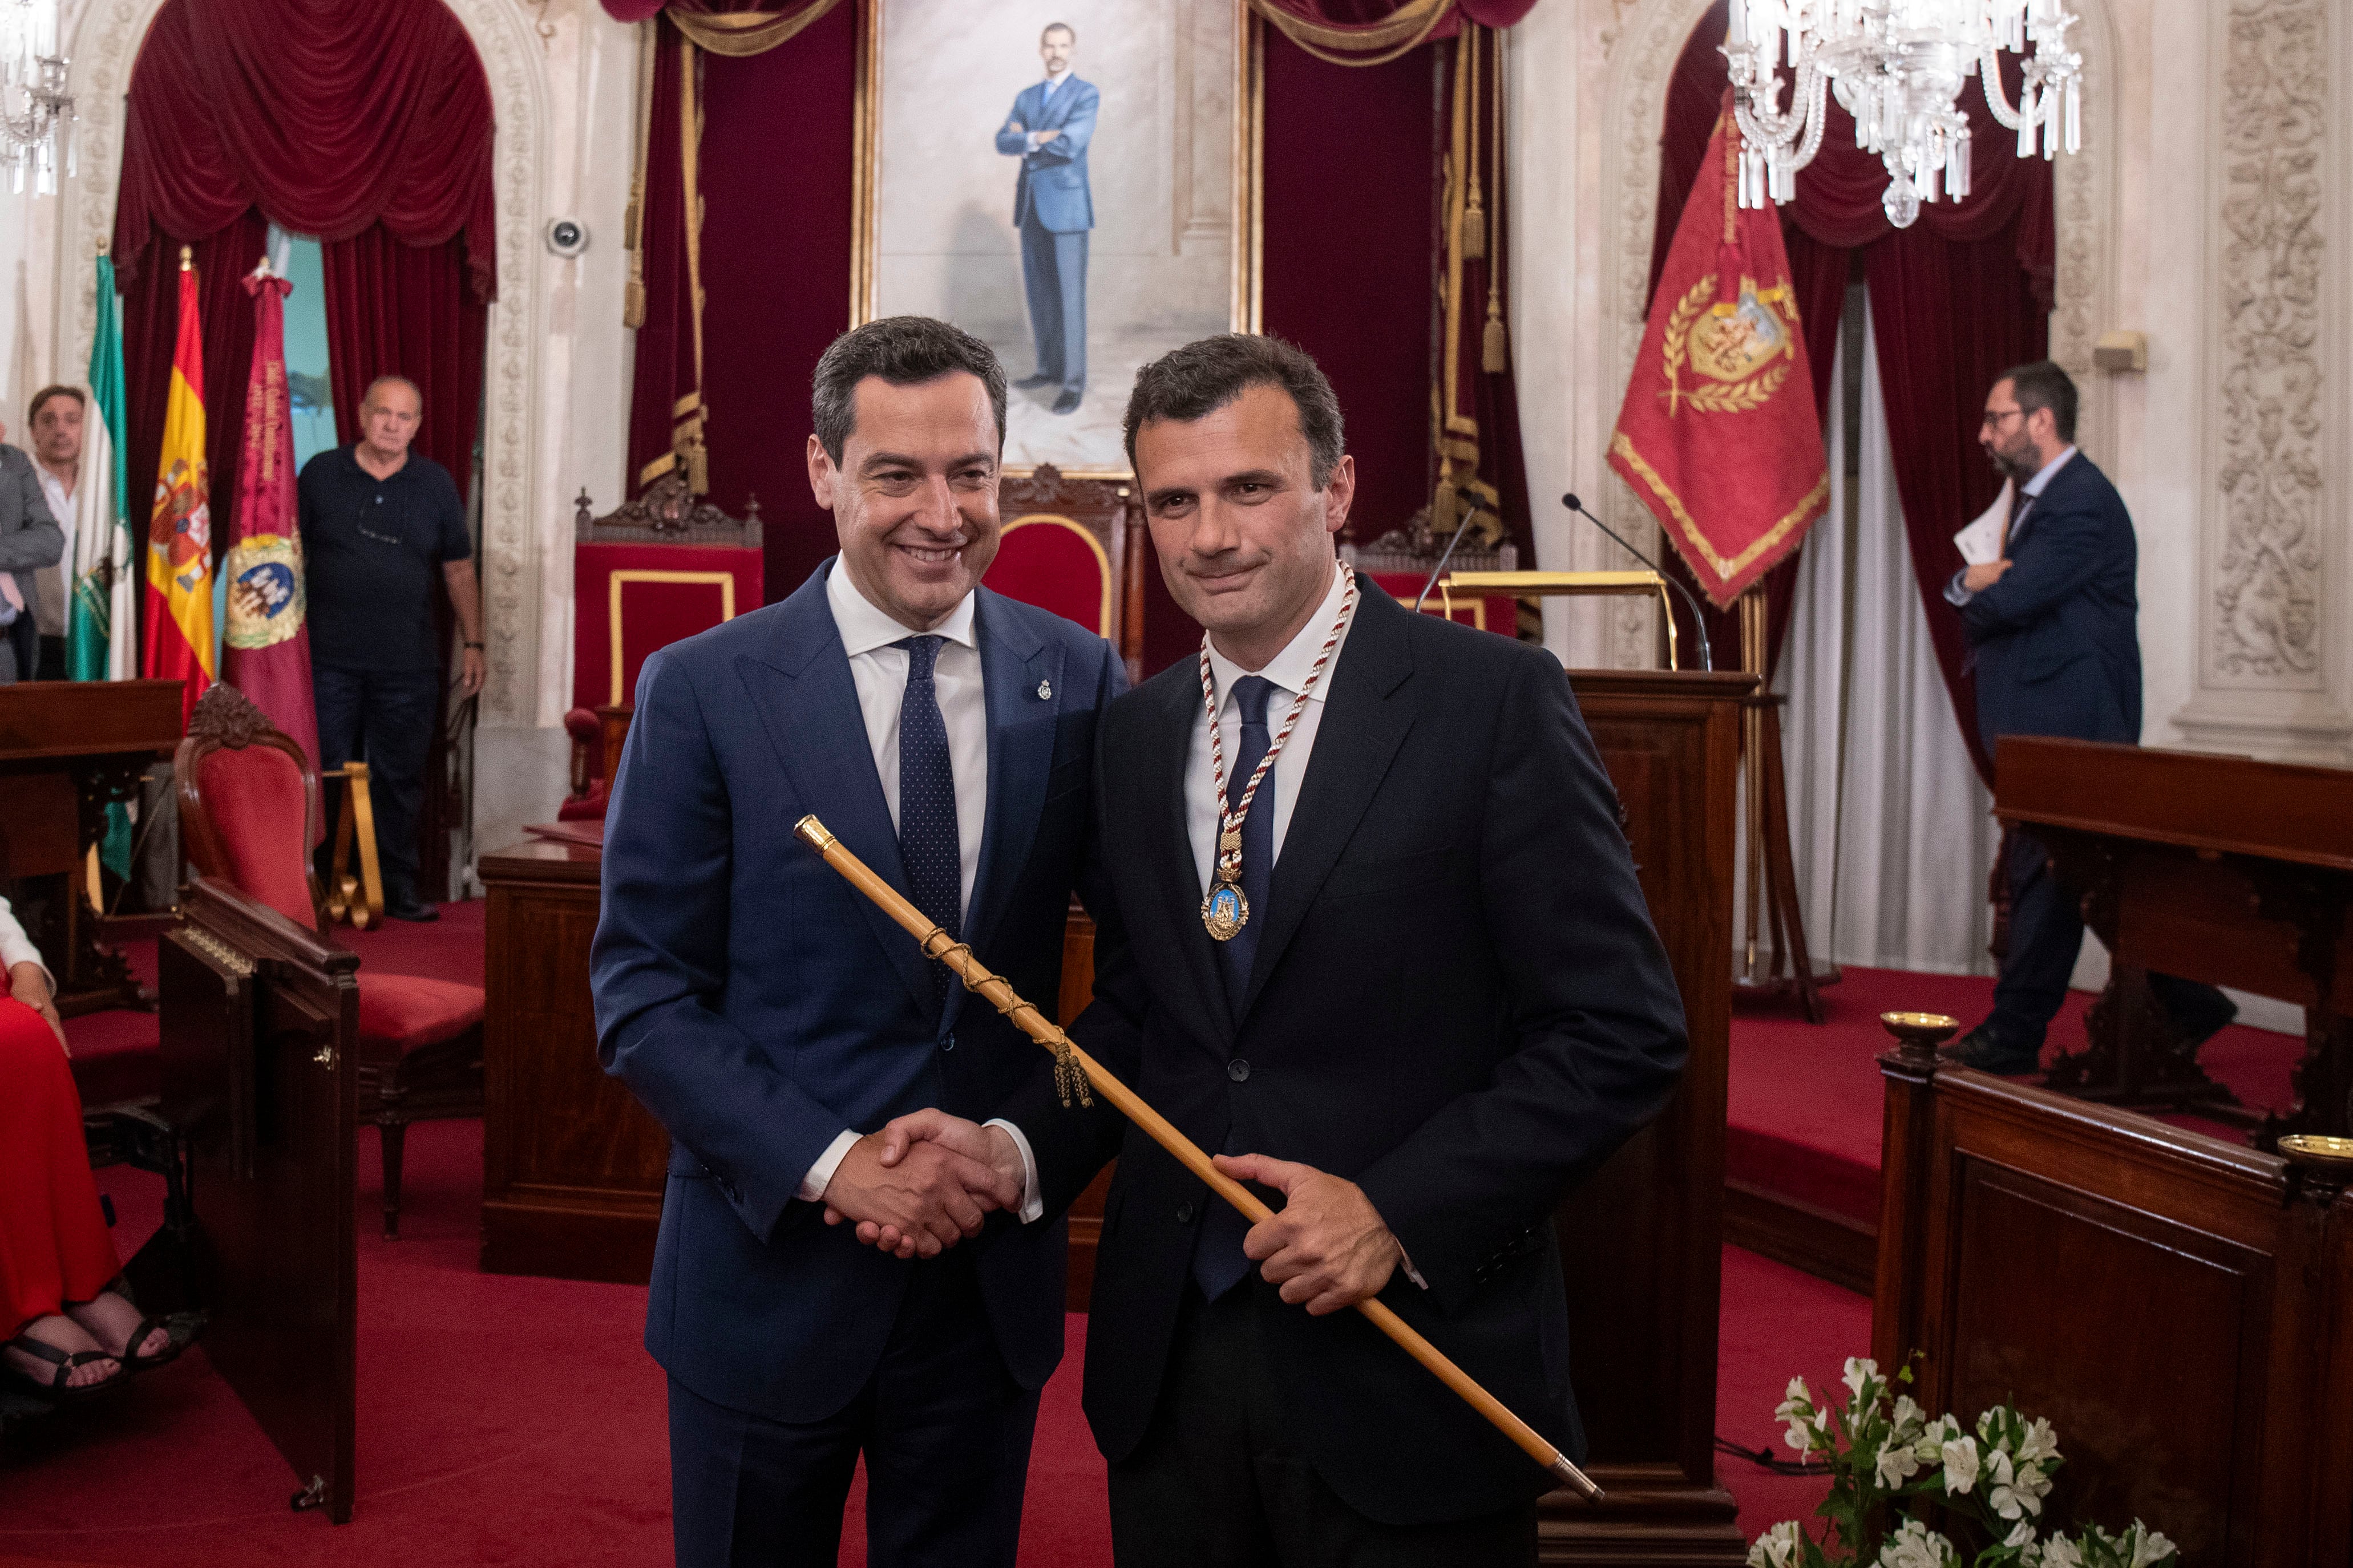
{"points": [[936, 944]]}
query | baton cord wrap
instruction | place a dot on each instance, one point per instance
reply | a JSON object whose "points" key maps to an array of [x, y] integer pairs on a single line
{"points": [[1074, 1071]]}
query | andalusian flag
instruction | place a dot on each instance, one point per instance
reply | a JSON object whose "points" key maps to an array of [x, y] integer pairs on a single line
{"points": [[102, 626], [179, 640]]}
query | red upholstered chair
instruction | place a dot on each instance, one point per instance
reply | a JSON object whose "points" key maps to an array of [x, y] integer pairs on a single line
{"points": [[249, 814], [1072, 546]]}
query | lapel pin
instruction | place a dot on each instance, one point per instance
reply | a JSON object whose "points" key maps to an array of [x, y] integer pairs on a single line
{"points": [[1045, 692]]}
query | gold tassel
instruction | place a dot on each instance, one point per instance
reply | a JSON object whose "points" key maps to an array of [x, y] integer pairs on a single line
{"points": [[1472, 242], [633, 292], [1493, 350]]}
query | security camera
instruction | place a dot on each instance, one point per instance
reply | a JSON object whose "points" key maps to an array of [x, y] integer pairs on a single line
{"points": [[567, 236]]}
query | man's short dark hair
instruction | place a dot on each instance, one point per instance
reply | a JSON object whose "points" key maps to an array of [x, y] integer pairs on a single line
{"points": [[905, 351], [367, 398], [2043, 384], [1053, 28], [1195, 380], [46, 393]]}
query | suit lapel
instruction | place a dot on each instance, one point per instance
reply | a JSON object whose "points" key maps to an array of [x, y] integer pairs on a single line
{"points": [[1013, 665], [800, 683], [1362, 726], [1166, 752]]}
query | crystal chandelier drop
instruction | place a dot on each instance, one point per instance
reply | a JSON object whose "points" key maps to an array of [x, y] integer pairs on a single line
{"points": [[37, 113], [1897, 66]]}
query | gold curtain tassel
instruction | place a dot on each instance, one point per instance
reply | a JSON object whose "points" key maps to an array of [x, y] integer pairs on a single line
{"points": [[1493, 350], [633, 293], [1473, 239]]}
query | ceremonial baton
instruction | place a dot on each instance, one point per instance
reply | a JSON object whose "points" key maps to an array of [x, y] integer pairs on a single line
{"points": [[1069, 1059]]}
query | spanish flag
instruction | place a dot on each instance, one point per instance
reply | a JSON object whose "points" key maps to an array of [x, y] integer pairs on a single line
{"points": [[179, 621]]}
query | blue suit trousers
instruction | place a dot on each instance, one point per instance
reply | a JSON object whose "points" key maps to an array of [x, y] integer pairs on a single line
{"points": [[1054, 275]]}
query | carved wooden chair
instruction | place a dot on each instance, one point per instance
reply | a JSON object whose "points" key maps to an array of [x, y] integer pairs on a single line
{"points": [[248, 815], [1075, 547]]}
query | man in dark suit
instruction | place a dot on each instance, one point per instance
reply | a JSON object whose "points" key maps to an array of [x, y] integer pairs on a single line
{"points": [[1443, 1006], [2053, 635], [30, 539], [1053, 206], [774, 1019]]}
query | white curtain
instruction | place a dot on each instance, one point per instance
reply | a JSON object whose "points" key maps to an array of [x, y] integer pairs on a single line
{"points": [[1890, 828]]}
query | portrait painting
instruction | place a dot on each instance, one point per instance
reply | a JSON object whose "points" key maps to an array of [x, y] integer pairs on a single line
{"points": [[1068, 180]]}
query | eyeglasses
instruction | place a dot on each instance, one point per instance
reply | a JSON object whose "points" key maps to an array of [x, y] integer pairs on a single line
{"points": [[1994, 417]]}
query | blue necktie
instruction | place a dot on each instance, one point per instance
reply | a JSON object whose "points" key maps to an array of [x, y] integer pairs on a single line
{"points": [[929, 848], [1219, 1262]]}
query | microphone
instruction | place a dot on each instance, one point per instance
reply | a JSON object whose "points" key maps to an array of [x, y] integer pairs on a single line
{"points": [[1472, 512], [1699, 619]]}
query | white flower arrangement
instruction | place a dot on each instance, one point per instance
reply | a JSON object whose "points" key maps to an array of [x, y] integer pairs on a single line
{"points": [[1893, 1469]]}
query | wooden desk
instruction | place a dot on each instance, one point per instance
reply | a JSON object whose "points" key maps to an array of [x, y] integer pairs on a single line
{"points": [[2211, 867], [67, 750], [573, 1166]]}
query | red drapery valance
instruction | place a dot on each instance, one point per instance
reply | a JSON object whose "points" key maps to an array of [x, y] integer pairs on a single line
{"points": [[330, 117]]}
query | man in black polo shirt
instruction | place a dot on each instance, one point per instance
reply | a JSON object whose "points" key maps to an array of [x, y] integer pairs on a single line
{"points": [[377, 521]]}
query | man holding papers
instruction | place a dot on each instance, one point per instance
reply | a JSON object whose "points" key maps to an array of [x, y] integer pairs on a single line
{"points": [[2050, 612]]}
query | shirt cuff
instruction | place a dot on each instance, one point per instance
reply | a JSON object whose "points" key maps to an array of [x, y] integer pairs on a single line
{"points": [[1410, 1271], [1955, 594], [813, 1185], [1033, 1203]]}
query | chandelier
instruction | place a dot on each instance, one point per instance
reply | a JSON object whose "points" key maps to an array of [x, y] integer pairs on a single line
{"points": [[37, 113], [1896, 66]]}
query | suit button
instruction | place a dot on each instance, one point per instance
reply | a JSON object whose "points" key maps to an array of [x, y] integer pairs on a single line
{"points": [[949, 1044], [1184, 1214], [1237, 1071]]}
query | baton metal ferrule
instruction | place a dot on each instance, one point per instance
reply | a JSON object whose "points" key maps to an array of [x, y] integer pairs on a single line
{"points": [[1569, 1476]]}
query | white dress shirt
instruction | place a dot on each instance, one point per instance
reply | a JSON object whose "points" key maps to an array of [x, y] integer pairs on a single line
{"points": [[878, 670], [16, 948], [55, 583], [1956, 591], [1287, 671], [1054, 80]]}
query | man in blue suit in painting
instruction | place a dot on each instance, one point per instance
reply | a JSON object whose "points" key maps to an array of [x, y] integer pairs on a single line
{"points": [[774, 1020], [1054, 208], [2053, 631]]}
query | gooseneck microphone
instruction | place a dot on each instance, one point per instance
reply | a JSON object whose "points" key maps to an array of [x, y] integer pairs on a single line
{"points": [[1469, 512], [1699, 617]]}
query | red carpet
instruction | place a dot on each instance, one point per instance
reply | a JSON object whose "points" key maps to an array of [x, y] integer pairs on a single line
{"points": [[519, 1421], [1806, 1099]]}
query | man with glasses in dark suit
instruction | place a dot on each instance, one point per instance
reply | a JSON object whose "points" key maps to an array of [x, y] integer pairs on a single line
{"points": [[378, 523], [2054, 638]]}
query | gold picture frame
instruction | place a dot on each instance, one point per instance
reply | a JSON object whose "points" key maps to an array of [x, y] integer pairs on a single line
{"points": [[1245, 159]]}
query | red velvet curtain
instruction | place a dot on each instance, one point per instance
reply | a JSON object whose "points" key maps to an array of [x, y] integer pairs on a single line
{"points": [[404, 310], [776, 166], [1956, 298]]}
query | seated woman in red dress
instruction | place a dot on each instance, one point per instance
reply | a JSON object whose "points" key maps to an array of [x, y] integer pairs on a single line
{"points": [[72, 1334]]}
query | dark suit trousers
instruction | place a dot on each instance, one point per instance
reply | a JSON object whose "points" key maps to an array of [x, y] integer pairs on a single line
{"points": [[945, 1430], [2046, 930], [384, 718], [1216, 1482], [1054, 275]]}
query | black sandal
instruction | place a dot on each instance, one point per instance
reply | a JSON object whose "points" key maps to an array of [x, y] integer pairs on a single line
{"points": [[56, 1391], [133, 1362]]}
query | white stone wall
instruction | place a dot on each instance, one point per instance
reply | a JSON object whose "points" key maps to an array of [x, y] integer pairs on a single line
{"points": [[2208, 210]]}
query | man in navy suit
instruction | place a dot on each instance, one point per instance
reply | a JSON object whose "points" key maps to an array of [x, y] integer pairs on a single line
{"points": [[2051, 631], [1054, 208], [1445, 1008], [774, 1019]]}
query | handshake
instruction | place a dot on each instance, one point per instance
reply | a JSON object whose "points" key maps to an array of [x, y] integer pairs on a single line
{"points": [[928, 1180], [925, 1181]]}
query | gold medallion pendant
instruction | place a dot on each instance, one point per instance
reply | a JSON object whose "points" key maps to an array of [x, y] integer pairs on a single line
{"points": [[1225, 911]]}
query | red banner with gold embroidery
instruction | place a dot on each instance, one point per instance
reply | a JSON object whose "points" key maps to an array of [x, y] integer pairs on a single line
{"points": [[1718, 436]]}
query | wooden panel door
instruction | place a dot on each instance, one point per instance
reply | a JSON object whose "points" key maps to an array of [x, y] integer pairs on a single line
{"points": [[257, 1023]]}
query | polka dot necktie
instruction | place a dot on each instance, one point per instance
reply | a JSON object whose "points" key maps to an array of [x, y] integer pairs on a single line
{"points": [[928, 846], [1219, 1262]]}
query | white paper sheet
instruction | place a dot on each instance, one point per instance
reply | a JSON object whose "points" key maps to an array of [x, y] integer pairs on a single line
{"points": [[1980, 542]]}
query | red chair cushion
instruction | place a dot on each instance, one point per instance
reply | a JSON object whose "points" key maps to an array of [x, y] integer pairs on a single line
{"points": [[409, 1011], [255, 799], [1055, 565]]}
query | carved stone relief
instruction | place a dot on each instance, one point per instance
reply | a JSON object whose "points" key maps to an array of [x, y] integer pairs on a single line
{"points": [[2266, 612], [106, 47]]}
